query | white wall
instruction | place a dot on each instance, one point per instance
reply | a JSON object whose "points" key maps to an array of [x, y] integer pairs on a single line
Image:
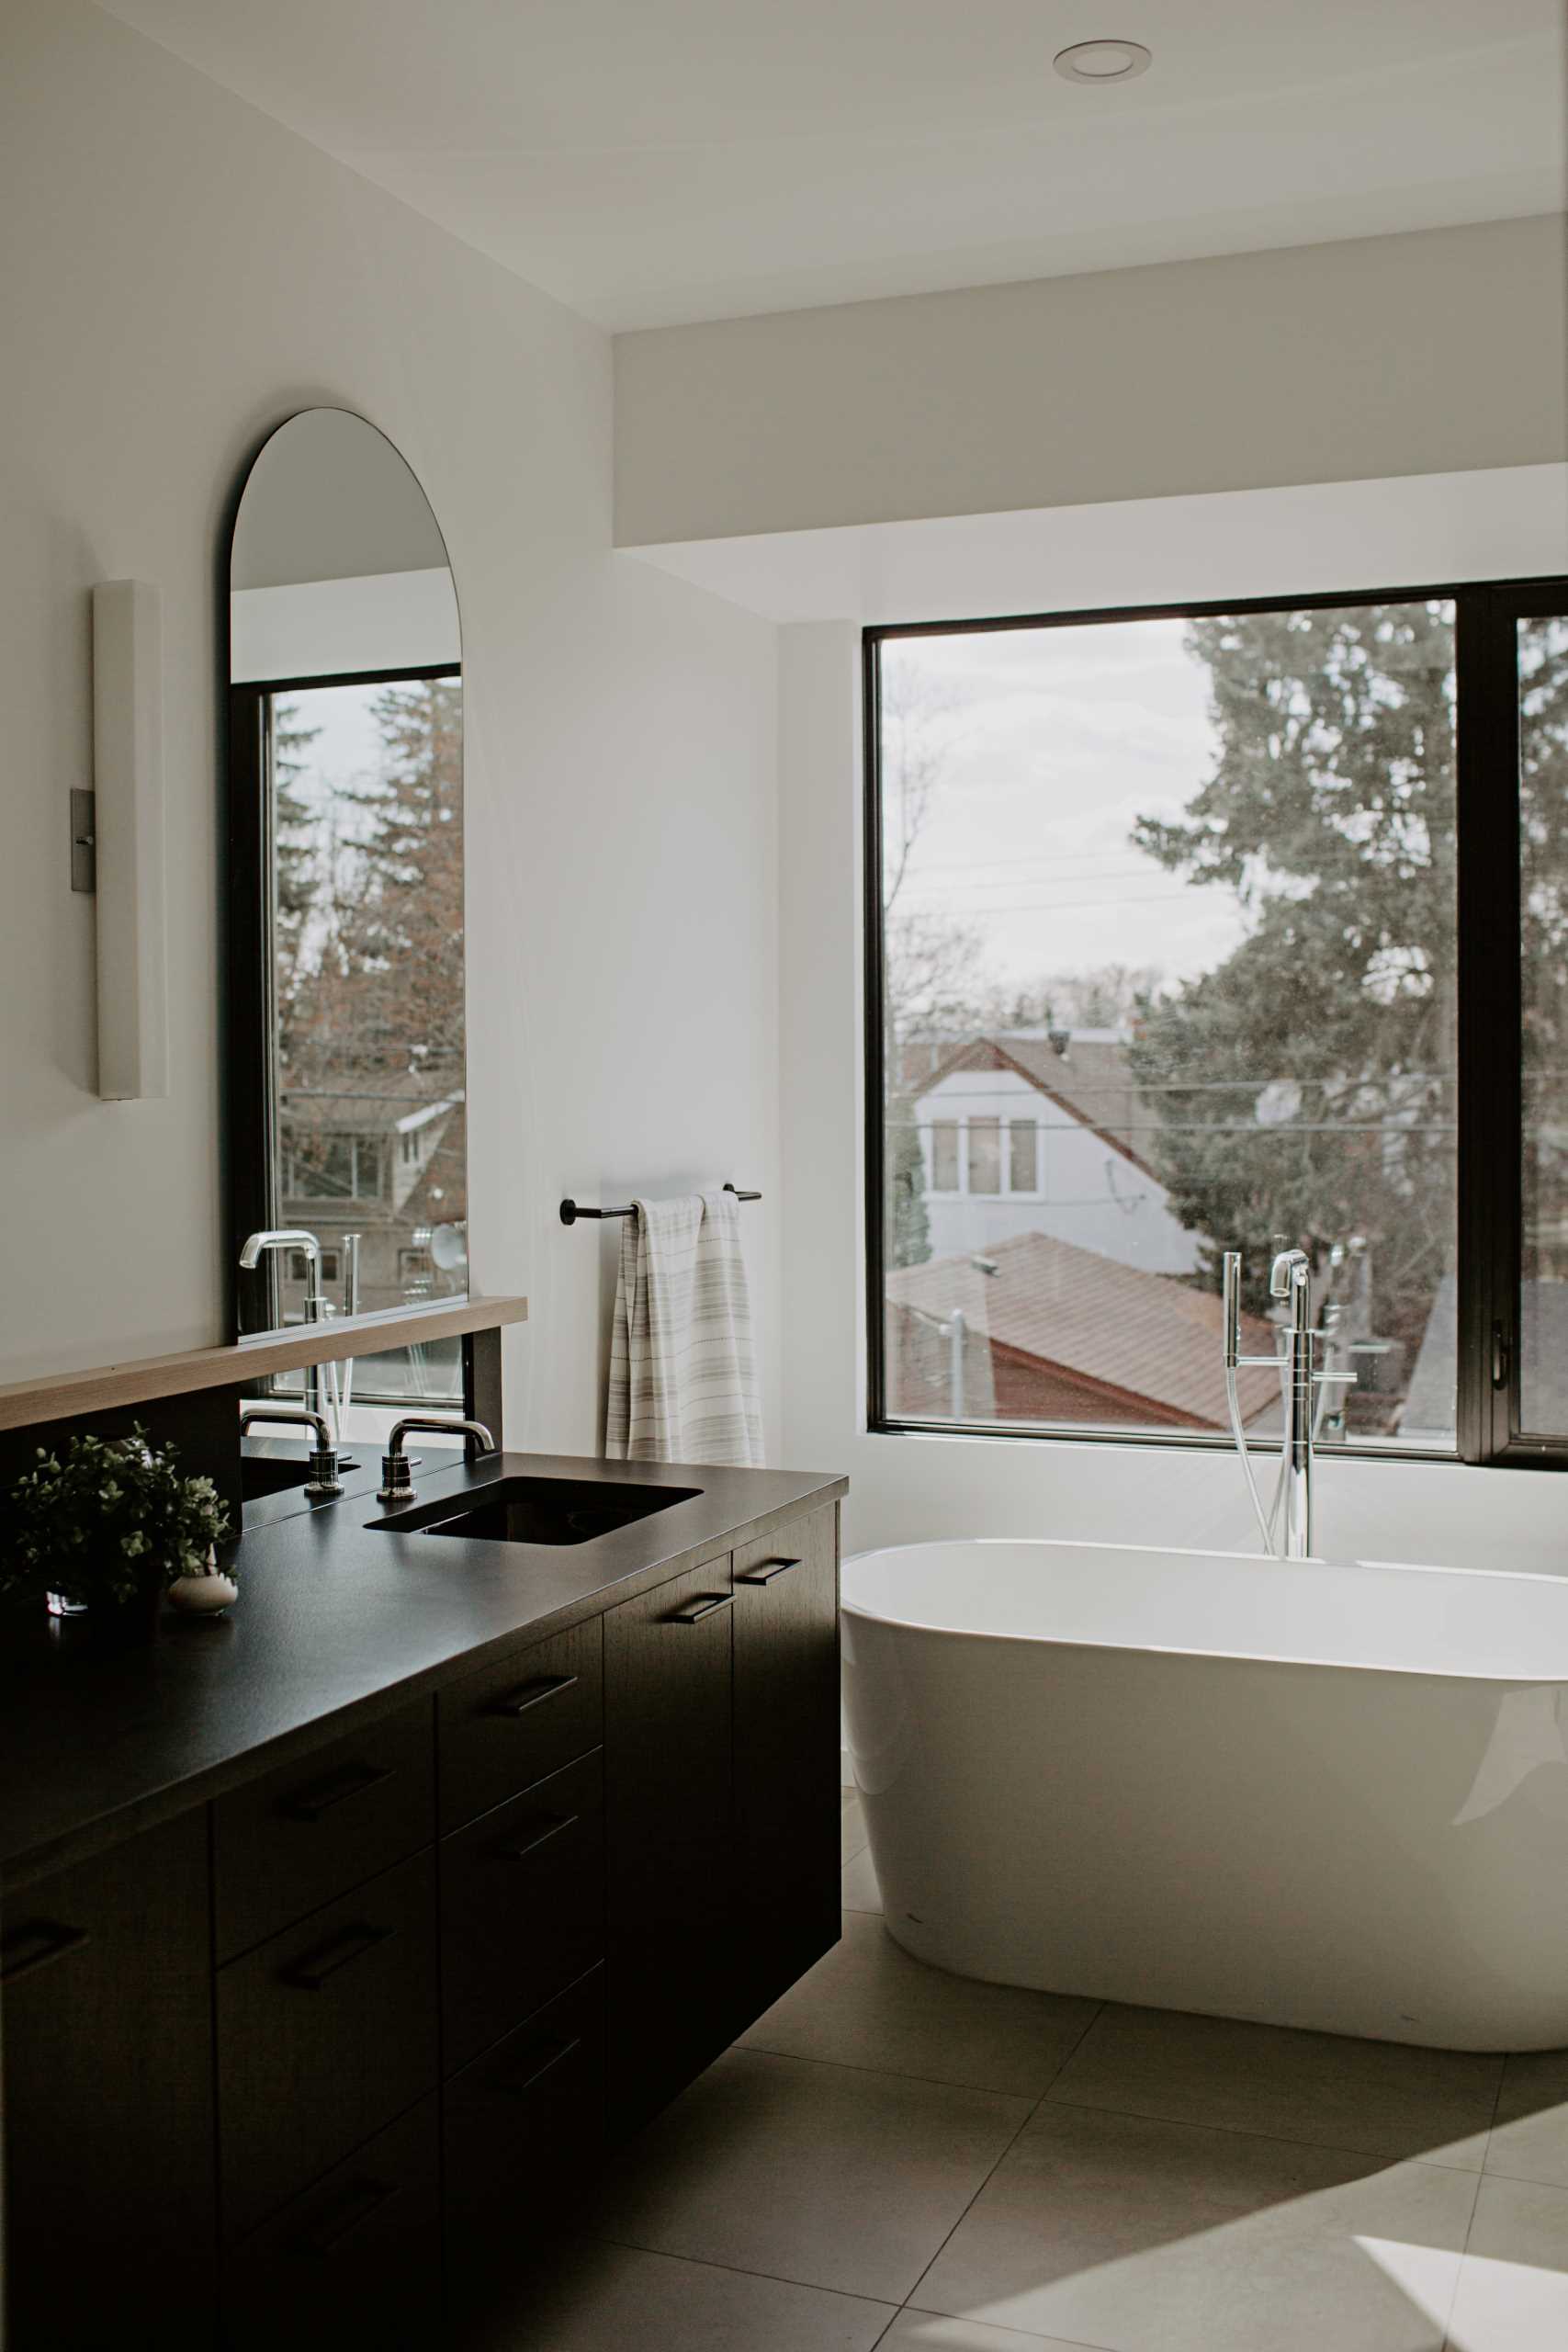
{"points": [[1381, 356], [906, 1487], [178, 274]]}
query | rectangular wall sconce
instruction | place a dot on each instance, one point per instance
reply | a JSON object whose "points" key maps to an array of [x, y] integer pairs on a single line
{"points": [[127, 841]]}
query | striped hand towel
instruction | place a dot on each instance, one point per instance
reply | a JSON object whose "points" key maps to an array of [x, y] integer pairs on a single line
{"points": [[682, 1372]]}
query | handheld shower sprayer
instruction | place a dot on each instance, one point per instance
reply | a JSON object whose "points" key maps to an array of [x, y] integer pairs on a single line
{"points": [[1289, 1281]]}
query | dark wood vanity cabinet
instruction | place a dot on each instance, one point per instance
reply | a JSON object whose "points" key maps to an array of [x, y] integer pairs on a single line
{"points": [[271, 2067], [786, 1632], [105, 2002], [669, 1672], [722, 1714]]}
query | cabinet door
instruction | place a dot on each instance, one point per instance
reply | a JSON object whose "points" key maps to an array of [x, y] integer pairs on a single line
{"points": [[356, 2260], [524, 2133], [517, 1718], [286, 1843], [107, 2071], [669, 1827], [787, 1757], [522, 1907], [324, 2034]]}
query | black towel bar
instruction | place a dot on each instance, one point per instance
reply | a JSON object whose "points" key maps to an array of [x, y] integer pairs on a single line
{"points": [[572, 1210]]}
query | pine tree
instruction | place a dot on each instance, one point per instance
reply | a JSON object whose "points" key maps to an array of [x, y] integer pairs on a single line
{"points": [[296, 873], [1308, 1085], [403, 931]]}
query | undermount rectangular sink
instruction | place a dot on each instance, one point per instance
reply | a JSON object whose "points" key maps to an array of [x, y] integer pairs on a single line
{"points": [[546, 1510]]}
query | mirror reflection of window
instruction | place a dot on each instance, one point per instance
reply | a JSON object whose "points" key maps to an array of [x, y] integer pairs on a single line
{"points": [[347, 815], [367, 791]]}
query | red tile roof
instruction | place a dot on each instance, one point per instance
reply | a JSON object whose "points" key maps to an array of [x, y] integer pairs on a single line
{"points": [[1145, 1334]]}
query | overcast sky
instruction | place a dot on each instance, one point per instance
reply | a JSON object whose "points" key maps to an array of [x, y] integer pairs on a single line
{"points": [[1058, 739]]}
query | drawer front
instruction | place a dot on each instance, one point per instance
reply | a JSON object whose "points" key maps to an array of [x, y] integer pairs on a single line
{"points": [[518, 1718], [289, 1843], [324, 2033], [522, 1906], [356, 2259], [523, 2131]]}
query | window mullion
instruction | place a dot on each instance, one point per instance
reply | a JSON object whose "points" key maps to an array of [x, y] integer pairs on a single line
{"points": [[1489, 1103]]}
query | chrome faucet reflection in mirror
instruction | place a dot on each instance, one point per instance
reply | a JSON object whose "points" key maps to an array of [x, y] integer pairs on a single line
{"points": [[331, 1382]]}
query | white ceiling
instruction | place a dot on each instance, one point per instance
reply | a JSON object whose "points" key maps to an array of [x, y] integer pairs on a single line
{"points": [[649, 161]]}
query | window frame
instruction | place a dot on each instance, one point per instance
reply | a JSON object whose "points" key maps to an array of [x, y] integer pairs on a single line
{"points": [[1489, 1090]]}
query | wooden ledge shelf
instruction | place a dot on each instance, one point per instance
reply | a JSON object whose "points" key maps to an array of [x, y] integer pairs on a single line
{"points": [[64, 1395]]}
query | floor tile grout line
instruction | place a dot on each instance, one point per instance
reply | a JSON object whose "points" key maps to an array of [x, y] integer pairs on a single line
{"points": [[1257, 2131], [1001, 2158], [1475, 2207], [1026, 2334], [901, 2073], [737, 2270], [1132, 2114]]}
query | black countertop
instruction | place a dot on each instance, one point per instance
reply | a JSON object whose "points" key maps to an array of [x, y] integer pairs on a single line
{"points": [[338, 1620]]}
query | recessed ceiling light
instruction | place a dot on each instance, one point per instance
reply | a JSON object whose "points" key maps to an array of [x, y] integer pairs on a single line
{"points": [[1103, 60]]}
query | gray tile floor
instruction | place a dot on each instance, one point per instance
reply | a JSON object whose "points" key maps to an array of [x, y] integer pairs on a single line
{"points": [[894, 2158]]}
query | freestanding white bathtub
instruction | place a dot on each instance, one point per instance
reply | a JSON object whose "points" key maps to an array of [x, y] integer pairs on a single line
{"points": [[1307, 1793]]}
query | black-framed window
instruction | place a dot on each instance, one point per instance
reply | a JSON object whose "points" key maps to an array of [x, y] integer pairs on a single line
{"points": [[1227, 926]]}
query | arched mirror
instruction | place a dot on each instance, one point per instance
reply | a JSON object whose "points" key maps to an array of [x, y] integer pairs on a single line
{"points": [[346, 1099]]}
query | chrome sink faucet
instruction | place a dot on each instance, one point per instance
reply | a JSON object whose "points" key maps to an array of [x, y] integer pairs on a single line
{"points": [[397, 1483], [323, 1482]]}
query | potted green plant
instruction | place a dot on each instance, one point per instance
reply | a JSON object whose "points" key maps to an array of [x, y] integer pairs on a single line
{"points": [[105, 1526]]}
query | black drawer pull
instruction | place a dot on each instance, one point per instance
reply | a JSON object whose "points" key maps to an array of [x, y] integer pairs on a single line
{"points": [[311, 1972], [352, 1781], [49, 1943], [766, 1573], [552, 1828], [528, 1694], [366, 2197], [704, 1606], [546, 2066]]}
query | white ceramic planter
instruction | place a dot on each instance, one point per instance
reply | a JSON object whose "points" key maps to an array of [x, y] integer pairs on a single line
{"points": [[203, 1596]]}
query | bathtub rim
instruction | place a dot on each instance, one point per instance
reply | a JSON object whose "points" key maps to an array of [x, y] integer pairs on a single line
{"points": [[1469, 1676]]}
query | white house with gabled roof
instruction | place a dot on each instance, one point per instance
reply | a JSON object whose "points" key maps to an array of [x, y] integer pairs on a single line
{"points": [[1041, 1134]]}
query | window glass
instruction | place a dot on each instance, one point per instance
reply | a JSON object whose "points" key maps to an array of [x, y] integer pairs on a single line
{"points": [[1182, 893], [944, 1155], [1543, 855]]}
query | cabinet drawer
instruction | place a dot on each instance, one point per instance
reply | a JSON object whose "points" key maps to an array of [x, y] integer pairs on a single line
{"points": [[523, 2134], [324, 2033], [518, 1718], [356, 2259], [522, 1906], [294, 1839]]}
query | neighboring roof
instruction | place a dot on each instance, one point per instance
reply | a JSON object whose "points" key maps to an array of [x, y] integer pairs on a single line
{"points": [[1091, 1081], [1145, 1334]]}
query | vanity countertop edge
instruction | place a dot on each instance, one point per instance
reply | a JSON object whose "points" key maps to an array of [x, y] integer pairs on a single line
{"points": [[339, 1622]]}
